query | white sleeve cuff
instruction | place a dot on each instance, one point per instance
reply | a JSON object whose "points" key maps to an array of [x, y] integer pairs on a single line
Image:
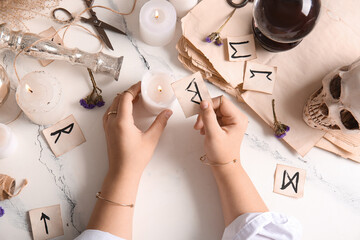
{"points": [[90, 234], [259, 226]]}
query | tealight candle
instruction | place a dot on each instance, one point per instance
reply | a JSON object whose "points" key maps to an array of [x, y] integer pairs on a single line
{"points": [[39, 96], [157, 21], [8, 142], [183, 6], [156, 91]]}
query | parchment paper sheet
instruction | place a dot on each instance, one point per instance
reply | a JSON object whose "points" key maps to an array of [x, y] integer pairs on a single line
{"points": [[333, 43]]}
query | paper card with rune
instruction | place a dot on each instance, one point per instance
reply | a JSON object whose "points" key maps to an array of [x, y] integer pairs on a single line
{"points": [[333, 43], [206, 18]]}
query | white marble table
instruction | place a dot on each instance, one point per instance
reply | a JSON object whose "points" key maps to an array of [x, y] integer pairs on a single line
{"points": [[177, 198]]}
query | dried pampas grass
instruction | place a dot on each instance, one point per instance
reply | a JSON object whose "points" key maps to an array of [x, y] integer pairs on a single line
{"points": [[15, 12]]}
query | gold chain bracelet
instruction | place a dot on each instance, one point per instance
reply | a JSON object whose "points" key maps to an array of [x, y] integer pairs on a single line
{"points": [[115, 203], [213, 164]]}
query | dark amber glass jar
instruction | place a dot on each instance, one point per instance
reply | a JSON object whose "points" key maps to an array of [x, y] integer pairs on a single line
{"points": [[280, 25]]}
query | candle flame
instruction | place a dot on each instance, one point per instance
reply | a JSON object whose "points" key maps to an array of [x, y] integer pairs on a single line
{"points": [[160, 89], [27, 87], [156, 14]]}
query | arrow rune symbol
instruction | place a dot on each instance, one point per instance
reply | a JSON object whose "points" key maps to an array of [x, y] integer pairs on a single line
{"points": [[236, 51], [44, 216], [196, 91], [66, 130], [261, 72], [291, 179]]}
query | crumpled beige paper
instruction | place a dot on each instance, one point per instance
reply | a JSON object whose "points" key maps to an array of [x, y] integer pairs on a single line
{"points": [[194, 60], [333, 43]]}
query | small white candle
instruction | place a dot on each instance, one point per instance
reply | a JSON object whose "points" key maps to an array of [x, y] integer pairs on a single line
{"points": [[156, 91], [183, 6], [8, 142], [157, 21], [39, 96]]}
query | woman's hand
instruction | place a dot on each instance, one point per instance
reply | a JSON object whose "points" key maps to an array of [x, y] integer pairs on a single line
{"points": [[130, 149], [223, 125]]}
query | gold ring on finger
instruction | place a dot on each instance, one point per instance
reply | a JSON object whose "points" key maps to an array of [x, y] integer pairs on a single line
{"points": [[111, 112], [128, 91]]}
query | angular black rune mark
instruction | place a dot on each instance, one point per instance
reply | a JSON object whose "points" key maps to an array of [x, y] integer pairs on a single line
{"points": [[291, 179], [261, 72], [44, 217], [196, 91], [66, 130], [238, 43]]}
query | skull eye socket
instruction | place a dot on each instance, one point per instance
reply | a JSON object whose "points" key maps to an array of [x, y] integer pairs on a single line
{"points": [[348, 120], [335, 87]]}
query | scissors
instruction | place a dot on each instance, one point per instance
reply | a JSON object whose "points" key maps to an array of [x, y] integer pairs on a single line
{"points": [[93, 20], [238, 5]]}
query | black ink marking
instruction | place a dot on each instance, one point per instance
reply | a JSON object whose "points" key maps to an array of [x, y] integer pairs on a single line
{"points": [[261, 72], [234, 54], [59, 180], [291, 179], [44, 217], [66, 130], [196, 91]]}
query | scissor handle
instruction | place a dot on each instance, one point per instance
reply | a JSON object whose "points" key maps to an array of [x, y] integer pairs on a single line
{"points": [[238, 5], [67, 13]]}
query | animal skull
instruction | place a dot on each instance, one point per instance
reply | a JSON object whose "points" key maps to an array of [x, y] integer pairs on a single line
{"points": [[336, 105]]}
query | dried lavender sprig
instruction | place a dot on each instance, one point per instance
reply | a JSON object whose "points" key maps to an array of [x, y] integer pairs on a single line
{"points": [[215, 36], [94, 98], [280, 129]]}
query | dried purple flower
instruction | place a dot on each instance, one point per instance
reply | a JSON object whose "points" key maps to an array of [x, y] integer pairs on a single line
{"points": [[83, 103], [99, 101], [2, 212], [218, 41], [94, 98], [215, 36], [280, 129]]}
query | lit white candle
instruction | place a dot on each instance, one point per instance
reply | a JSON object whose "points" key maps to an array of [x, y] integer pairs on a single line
{"points": [[156, 91], [157, 21], [39, 96], [8, 142], [183, 6]]}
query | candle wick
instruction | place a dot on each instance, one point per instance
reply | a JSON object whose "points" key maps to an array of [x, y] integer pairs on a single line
{"points": [[31, 91]]}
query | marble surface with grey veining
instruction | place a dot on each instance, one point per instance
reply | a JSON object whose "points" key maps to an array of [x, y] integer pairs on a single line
{"points": [[177, 197]]}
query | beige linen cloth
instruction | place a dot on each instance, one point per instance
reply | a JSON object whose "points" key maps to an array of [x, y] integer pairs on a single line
{"points": [[334, 42]]}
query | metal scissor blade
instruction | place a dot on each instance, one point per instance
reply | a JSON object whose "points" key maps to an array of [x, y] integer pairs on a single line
{"points": [[104, 37], [111, 28], [89, 2], [102, 25]]}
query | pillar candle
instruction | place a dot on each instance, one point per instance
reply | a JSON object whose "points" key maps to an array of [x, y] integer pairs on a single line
{"points": [[157, 21], [8, 142], [156, 91], [39, 96]]}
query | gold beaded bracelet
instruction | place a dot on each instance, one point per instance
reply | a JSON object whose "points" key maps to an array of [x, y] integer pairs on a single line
{"points": [[213, 164], [115, 203]]}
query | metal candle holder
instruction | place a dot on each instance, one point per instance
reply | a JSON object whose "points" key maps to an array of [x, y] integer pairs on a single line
{"points": [[45, 49]]}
